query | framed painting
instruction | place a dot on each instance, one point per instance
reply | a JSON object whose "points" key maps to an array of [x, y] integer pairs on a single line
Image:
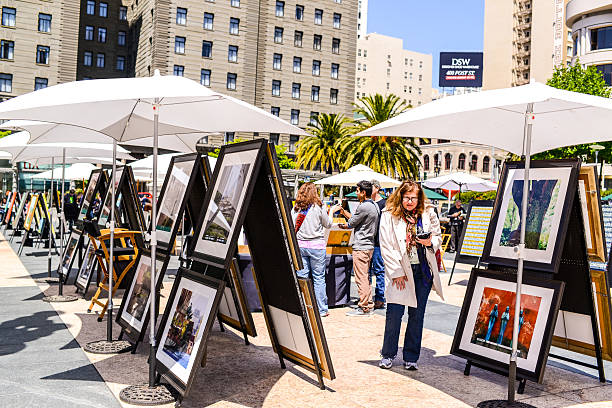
{"points": [[106, 206], [223, 210], [485, 327], [90, 194], [185, 326], [19, 213], [475, 229], [338, 237], [69, 254], [133, 316], [590, 204], [87, 268], [551, 195]]}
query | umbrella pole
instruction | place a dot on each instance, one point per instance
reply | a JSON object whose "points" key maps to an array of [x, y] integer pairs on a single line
{"points": [[153, 292], [109, 310], [50, 218], [62, 218]]}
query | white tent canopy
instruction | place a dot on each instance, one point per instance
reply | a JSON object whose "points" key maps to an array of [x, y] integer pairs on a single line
{"points": [[356, 174], [143, 168], [78, 171], [460, 181]]}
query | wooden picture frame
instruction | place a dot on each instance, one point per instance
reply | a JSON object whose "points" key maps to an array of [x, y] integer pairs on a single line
{"points": [[182, 339], [488, 290], [97, 180], [554, 185], [27, 223], [590, 203]]}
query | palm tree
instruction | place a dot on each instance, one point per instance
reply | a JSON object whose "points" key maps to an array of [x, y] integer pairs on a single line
{"points": [[393, 156], [319, 149]]}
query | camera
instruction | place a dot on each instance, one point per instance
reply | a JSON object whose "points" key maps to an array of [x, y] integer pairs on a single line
{"points": [[423, 235]]}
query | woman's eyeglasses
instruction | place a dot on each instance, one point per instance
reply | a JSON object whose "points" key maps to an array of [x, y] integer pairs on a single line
{"points": [[410, 199]]}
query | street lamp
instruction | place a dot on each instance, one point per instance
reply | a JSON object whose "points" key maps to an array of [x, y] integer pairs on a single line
{"points": [[596, 148]]}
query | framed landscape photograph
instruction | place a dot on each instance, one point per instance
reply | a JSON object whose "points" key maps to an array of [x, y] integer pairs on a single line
{"points": [[232, 184], [551, 195], [590, 204], [69, 254], [185, 326], [485, 327], [87, 268], [133, 315]]}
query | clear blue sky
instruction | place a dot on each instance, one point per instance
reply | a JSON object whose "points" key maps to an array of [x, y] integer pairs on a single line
{"points": [[430, 26]]}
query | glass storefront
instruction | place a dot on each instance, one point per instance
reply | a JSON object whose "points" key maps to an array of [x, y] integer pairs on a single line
{"points": [[606, 70], [601, 38]]}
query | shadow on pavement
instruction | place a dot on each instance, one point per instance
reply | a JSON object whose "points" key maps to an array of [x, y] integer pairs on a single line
{"points": [[17, 332]]}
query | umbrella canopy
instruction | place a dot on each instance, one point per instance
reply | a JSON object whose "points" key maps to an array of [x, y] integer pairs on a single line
{"points": [[497, 118], [460, 181], [78, 171], [357, 173], [73, 160], [432, 195]]}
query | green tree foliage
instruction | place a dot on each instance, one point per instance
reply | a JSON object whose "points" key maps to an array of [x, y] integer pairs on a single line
{"points": [[320, 149], [393, 156], [4, 133], [476, 195]]}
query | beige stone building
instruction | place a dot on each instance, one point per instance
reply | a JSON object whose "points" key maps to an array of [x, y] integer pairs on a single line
{"points": [[523, 40], [385, 67]]}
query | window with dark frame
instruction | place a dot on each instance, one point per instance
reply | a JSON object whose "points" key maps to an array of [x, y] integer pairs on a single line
{"points": [[334, 70], [228, 137], [179, 45], [337, 18], [316, 67], [335, 45], [205, 77], [447, 161], [299, 12], [122, 13], [276, 86], [295, 90], [486, 161], [231, 81], [297, 64], [91, 8], [44, 23], [333, 96], [426, 162], [314, 93], [295, 117], [87, 58], [278, 35], [100, 60], [234, 28], [42, 54], [274, 138], [179, 70], [102, 34], [181, 16], [89, 33], [293, 141], [120, 63], [277, 61], [235, 3], [7, 49], [318, 16], [297, 38], [280, 8], [275, 110], [208, 21], [103, 9], [121, 38], [207, 49], [232, 53], [6, 82], [316, 42], [461, 162], [313, 118], [40, 83]]}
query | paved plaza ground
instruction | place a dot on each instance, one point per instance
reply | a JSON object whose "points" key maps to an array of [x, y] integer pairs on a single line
{"points": [[42, 362]]}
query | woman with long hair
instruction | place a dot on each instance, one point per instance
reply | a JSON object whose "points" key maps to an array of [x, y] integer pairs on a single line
{"points": [[409, 238], [311, 220]]}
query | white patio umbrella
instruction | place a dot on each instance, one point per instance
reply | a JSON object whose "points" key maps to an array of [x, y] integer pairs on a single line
{"points": [[460, 181], [523, 120], [78, 171], [127, 109], [354, 175]]}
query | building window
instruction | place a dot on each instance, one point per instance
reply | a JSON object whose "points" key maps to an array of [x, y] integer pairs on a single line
{"points": [[410, 89], [606, 71], [297, 64], [276, 85], [91, 7], [179, 45], [420, 64], [297, 38], [461, 163], [231, 81], [278, 34], [447, 161], [420, 91], [208, 21], [388, 86], [334, 70], [280, 8], [313, 118], [40, 83], [601, 38], [295, 90], [474, 163], [121, 37], [103, 10], [7, 49], [333, 96], [44, 23], [89, 33], [87, 58], [277, 61], [9, 17], [6, 83], [485, 164], [207, 49], [234, 26], [274, 138], [295, 117], [205, 77], [426, 162], [275, 110], [316, 67], [336, 45], [235, 3], [316, 43], [181, 16], [318, 17], [100, 60], [42, 54], [228, 137], [364, 68], [122, 13], [299, 13], [314, 93], [293, 141], [101, 34], [179, 70], [232, 53], [120, 63], [337, 18]]}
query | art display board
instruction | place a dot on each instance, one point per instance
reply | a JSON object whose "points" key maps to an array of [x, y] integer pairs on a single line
{"points": [[133, 315], [234, 307], [476, 227], [9, 208], [70, 252], [30, 212], [606, 213], [25, 198], [551, 195], [184, 328], [96, 186], [46, 212], [590, 202], [86, 269], [338, 237], [485, 326]]}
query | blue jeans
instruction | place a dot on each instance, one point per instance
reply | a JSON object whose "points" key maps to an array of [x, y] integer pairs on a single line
{"points": [[414, 329], [314, 265], [377, 268]]}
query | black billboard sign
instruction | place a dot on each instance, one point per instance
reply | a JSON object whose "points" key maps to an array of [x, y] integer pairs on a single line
{"points": [[460, 69]]}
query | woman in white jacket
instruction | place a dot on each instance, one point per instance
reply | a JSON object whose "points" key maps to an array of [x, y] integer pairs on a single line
{"points": [[411, 268]]}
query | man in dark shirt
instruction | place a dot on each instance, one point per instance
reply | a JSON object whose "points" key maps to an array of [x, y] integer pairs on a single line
{"points": [[456, 215], [71, 207], [377, 266]]}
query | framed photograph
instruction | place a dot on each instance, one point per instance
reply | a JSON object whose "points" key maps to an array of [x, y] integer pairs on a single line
{"points": [[551, 195], [232, 185], [106, 207], [90, 194], [87, 268], [9, 208], [475, 229], [32, 206], [133, 316], [590, 204], [228, 312], [19, 213], [185, 326], [338, 237], [485, 326], [70, 252]]}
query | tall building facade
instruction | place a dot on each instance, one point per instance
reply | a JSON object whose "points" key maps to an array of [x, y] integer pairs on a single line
{"points": [[385, 67], [523, 40], [362, 18], [591, 28]]}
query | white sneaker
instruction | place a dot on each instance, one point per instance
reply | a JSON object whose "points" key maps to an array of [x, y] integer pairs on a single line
{"points": [[410, 366], [385, 363]]}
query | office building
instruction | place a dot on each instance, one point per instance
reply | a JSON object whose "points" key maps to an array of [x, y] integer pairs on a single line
{"points": [[362, 18]]}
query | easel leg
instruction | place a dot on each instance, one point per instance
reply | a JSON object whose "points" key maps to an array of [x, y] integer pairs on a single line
{"points": [[120, 335], [468, 367], [220, 324], [282, 362], [452, 270]]}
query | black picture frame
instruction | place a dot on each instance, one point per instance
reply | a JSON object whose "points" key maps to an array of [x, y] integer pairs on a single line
{"points": [[97, 181], [70, 250], [136, 332], [85, 273], [102, 219], [232, 308], [567, 184], [199, 251], [193, 280], [467, 225], [536, 374]]}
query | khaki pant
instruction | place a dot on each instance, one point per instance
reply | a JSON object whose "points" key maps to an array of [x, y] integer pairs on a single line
{"points": [[361, 268]]}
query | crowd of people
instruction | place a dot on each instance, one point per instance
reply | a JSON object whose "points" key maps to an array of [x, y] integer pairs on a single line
{"points": [[396, 243]]}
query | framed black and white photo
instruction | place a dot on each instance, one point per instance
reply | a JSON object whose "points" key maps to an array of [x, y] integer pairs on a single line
{"points": [[185, 326], [485, 327], [70, 252], [223, 210], [87, 268], [552, 190], [133, 316]]}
